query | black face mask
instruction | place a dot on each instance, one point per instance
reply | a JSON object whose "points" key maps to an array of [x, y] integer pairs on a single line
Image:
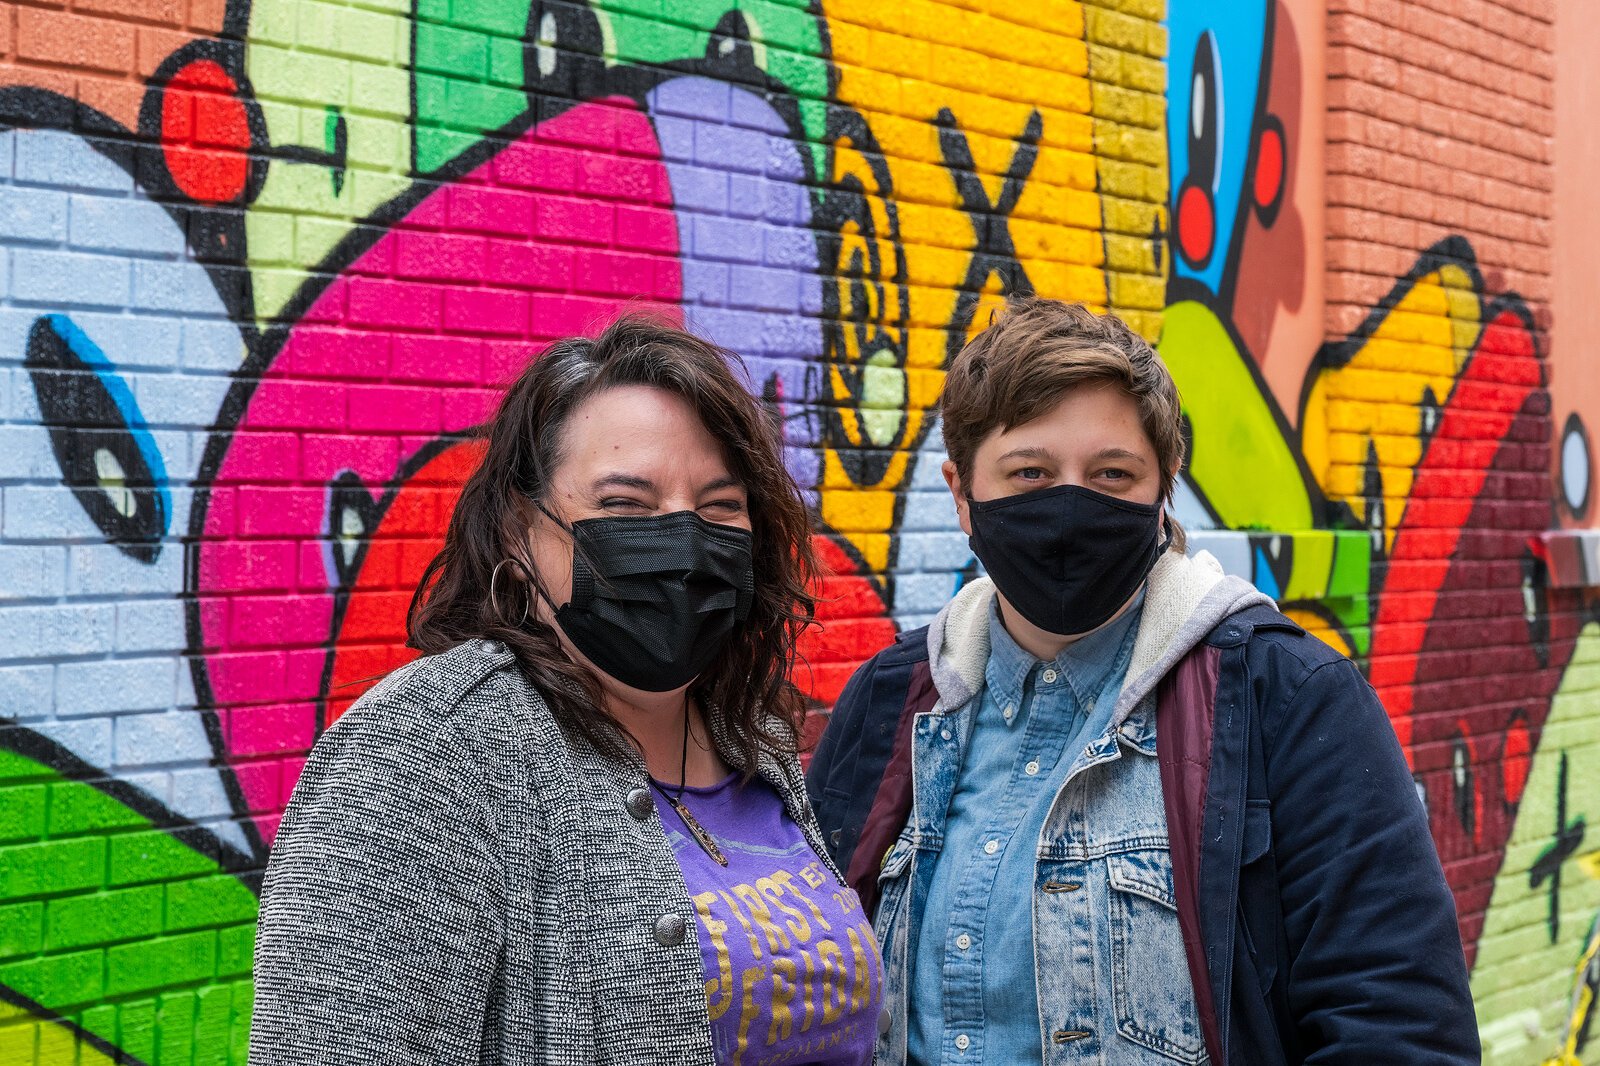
{"points": [[654, 600], [1067, 558]]}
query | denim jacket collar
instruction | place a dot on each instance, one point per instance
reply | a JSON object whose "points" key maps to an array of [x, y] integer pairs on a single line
{"points": [[1185, 598], [1083, 665]]}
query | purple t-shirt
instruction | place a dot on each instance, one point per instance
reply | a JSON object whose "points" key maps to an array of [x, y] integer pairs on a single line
{"points": [[793, 974]]}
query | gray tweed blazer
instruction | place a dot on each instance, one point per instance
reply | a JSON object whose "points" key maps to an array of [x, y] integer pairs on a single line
{"points": [[456, 882]]}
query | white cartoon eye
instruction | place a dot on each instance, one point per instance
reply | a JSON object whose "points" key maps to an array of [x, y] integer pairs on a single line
{"points": [[106, 455]]}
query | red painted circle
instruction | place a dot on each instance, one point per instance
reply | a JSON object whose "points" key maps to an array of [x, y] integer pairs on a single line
{"points": [[1269, 167], [1197, 224], [205, 133]]}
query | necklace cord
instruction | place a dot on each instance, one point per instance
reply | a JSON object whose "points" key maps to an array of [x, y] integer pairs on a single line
{"points": [[707, 842], [683, 760]]}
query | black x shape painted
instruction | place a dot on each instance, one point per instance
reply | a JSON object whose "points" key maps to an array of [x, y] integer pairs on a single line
{"points": [[994, 252]]}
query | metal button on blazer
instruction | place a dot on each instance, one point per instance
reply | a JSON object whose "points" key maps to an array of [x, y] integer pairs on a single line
{"points": [[639, 803], [670, 930]]}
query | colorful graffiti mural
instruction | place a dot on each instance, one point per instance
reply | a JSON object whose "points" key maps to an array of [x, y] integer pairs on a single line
{"points": [[264, 276]]}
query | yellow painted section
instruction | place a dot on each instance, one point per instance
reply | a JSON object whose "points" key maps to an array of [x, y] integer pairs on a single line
{"points": [[1082, 227], [25, 1037], [1375, 400]]}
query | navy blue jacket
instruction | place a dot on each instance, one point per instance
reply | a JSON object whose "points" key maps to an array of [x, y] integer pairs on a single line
{"points": [[1326, 931]]}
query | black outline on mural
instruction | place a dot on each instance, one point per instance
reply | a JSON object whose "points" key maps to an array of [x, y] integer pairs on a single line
{"points": [[1192, 290], [1574, 424], [1181, 288], [993, 249], [197, 838], [1454, 250], [24, 107], [375, 508], [80, 1035]]}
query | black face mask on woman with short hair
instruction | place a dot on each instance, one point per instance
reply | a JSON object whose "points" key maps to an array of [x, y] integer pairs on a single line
{"points": [[1067, 558], [655, 599]]}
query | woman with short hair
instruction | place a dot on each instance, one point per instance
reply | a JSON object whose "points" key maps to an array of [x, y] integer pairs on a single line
{"points": [[576, 831]]}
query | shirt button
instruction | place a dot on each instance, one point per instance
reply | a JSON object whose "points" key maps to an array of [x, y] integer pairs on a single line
{"points": [[944, 734], [1032, 768], [1010, 710], [1050, 677], [991, 847], [962, 1042], [639, 803], [884, 1021], [670, 930], [963, 942]]}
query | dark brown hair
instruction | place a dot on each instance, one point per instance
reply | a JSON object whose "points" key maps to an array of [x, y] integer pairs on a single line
{"points": [[746, 691], [1032, 354]]}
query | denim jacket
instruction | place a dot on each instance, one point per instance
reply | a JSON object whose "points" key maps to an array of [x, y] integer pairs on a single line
{"points": [[1113, 983], [1018, 742]]}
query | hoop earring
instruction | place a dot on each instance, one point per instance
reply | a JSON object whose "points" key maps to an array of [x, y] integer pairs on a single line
{"points": [[494, 578]]}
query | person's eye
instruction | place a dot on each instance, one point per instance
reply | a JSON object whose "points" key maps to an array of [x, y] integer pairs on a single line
{"points": [[728, 506], [1113, 474], [1032, 474], [621, 503]]}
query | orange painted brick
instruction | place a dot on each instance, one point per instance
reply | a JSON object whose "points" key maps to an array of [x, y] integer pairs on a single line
{"points": [[207, 16], [165, 12], [157, 43], [74, 40], [53, 80], [115, 96]]}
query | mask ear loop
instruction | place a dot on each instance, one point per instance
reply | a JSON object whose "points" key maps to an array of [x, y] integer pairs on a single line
{"points": [[577, 549], [494, 579]]}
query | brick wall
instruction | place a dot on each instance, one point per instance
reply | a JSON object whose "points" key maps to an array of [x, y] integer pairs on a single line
{"points": [[263, 266]]}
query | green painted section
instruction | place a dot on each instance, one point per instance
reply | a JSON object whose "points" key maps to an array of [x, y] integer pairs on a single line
{"points": [[118, 927], [310, 63], [1546, 896], [1240, 460], [1350, 587], [468, 63]]}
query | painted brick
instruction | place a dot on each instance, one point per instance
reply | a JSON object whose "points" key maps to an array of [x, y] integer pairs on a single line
{"points": [[60, 630], [52, 867], [133, 968], [71, 980], [54, 278], [116, 686], [102, 918], [29, 214]]}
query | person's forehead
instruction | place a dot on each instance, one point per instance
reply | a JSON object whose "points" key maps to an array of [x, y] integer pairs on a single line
{"points": [[1093, 416], [636, 429]]}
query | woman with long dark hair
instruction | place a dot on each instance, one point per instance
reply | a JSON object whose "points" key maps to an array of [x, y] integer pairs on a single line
{"points": [[575, 830]]}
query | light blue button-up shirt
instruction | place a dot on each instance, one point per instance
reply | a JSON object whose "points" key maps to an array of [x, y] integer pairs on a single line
{"points": [[974, 990]]}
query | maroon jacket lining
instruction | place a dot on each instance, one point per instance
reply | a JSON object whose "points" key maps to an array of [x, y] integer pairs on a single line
{"points": [[892, 805], [1185, 706]]}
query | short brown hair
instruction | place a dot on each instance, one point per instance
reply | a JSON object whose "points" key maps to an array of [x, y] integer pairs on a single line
{"points": [[1031, 355]]}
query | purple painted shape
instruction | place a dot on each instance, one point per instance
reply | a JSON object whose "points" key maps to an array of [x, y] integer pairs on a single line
{"points": [[750, 274], [394, 352]]}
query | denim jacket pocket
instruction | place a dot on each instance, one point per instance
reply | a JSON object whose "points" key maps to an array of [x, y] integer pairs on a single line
{"points": [[1152, 992]]}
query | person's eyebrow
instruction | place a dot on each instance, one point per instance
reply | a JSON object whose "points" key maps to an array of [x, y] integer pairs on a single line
{"points": [[1031, 452], [1119, 453], [729, 482], [624, 481]]}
